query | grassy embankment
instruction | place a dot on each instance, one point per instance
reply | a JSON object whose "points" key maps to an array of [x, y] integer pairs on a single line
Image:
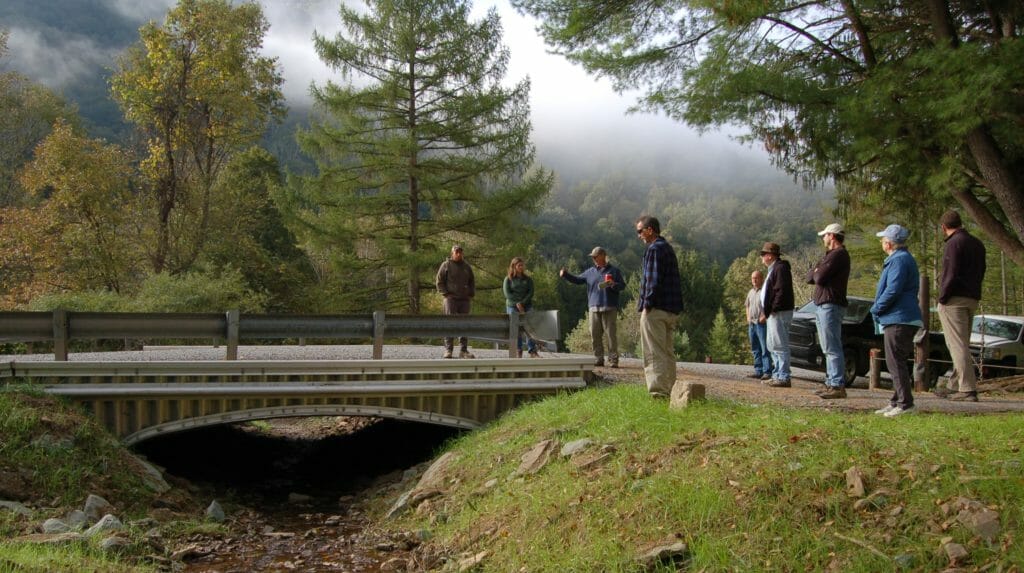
{"points": [[59, 457], [748, 488]]}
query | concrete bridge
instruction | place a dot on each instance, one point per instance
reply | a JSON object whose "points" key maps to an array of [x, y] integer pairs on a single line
{"points": [[137, 401]]}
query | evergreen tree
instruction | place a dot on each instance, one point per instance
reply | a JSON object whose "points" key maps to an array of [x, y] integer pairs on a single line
{"points": [[723, 344], [422, 147]]}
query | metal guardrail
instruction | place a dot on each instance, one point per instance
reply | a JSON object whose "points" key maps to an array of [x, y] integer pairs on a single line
{"points": [[61, 327]]}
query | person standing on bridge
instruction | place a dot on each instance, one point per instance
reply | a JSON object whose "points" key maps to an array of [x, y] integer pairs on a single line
{"points": [[456, 284], [604, 283], [518, 290], [659, 302]]}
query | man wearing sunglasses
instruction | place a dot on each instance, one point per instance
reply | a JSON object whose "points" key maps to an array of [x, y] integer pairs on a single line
{"points": [[659, 302]]}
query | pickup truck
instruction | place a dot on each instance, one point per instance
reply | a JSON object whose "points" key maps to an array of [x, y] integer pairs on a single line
{"points": [[859, 338], [996, 344]]}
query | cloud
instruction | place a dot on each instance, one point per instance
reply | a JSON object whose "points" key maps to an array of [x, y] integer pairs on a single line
{"points": [[56, 63]]}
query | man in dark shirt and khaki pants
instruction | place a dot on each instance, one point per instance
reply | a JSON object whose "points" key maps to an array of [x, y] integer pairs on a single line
{"points": [[963, 270], [659, 302]]}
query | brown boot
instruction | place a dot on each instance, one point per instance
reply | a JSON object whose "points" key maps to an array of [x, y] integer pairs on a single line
{"points": [[833, 393]]}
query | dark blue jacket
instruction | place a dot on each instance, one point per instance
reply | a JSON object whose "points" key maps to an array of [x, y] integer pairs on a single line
{"points": [[660, 287]]}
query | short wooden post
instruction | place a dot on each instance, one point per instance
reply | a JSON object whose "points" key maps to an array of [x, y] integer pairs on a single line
{"points": [[378, 334], [513, 335], [921, 349], [874, 369], [232, 335], [60, 335]]}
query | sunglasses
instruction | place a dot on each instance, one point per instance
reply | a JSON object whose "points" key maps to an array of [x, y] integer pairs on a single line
{"points": [[640, 231]]}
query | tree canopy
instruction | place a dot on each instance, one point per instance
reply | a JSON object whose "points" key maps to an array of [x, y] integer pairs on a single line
{"points": [[421, 147], [199, 91], [901, 103]]}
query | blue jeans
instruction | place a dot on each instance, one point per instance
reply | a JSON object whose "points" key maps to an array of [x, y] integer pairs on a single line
{"points": [[778, 343], [830, 337], [757, 332], [531, 346]]}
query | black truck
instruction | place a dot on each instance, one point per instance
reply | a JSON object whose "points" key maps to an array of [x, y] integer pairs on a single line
{"points": [[859, 338]]}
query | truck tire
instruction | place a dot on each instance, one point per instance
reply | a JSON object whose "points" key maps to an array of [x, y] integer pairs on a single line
{"points": [[851, 366]]}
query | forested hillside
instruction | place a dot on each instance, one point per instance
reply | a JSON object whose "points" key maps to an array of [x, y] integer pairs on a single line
{"points": [[93, 214]]}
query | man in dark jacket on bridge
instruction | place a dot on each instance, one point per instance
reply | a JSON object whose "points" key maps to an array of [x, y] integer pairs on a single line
{"points": [[456, 284]]}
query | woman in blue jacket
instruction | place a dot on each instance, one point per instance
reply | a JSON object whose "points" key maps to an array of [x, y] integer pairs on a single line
{"points": [[898, 313]]}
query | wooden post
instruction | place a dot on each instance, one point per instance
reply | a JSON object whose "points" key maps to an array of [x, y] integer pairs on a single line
{"points": [[378, 334], [232, 335], [874, 370], [60, 335], [513, 335], [921, 350]]}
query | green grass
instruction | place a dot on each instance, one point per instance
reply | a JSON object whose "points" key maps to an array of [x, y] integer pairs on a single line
{"points": [[25, 558], [748, 488]]}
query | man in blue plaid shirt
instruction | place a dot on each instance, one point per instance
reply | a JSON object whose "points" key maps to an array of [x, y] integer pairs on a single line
{"points": [[659, 303]]}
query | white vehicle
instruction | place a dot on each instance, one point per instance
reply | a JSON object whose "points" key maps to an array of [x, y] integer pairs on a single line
{"points": [[996, 344]]}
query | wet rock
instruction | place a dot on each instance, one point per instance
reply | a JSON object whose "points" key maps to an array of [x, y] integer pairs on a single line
{"points": [[215, 512], [575, 446], [106, 523], [299, 498], [855, 482], [96, 507], [980, 520], [53, 525], [190, 553], [535, 459], [683, 393], [591, 460], [144, 523], [15, 507], [662, 555]]}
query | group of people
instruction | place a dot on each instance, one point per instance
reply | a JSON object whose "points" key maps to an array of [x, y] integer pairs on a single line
{"points": [[769, 307], [659, 303], [896, 311]]}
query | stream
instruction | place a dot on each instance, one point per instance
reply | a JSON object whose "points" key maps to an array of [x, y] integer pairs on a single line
{"points": [[291, 490]]}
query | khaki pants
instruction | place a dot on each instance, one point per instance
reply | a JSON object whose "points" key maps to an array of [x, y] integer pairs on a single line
{"points": [[955, 317], [657, 328], [602, 323]]}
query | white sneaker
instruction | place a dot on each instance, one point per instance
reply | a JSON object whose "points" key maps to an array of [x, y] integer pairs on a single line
{"points": [[897, 411], [886, 410]]}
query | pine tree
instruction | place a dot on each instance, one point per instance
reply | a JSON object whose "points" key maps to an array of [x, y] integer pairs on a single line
{"points": [[422, 147]]}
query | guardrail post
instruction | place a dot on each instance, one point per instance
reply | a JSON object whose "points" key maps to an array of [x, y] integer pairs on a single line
{"points": [[378, 334], [874, 370], [513, 335], [921, 349], [232, 335], [60, 335]]}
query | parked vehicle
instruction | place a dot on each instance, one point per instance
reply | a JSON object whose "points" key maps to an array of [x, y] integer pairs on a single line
{"points": [[859, 337], [996, 344]]}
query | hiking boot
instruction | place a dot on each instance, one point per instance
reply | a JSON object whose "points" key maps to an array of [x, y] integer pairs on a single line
{"points": [[942, 392], [886, 410], [779, 383], [613, 364], [534, 354], [898, 411], [766, 377], [964, 397], [466, 354], [755, 376], [821, 390], [447, 353], [833, 393], [599, 363]]}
